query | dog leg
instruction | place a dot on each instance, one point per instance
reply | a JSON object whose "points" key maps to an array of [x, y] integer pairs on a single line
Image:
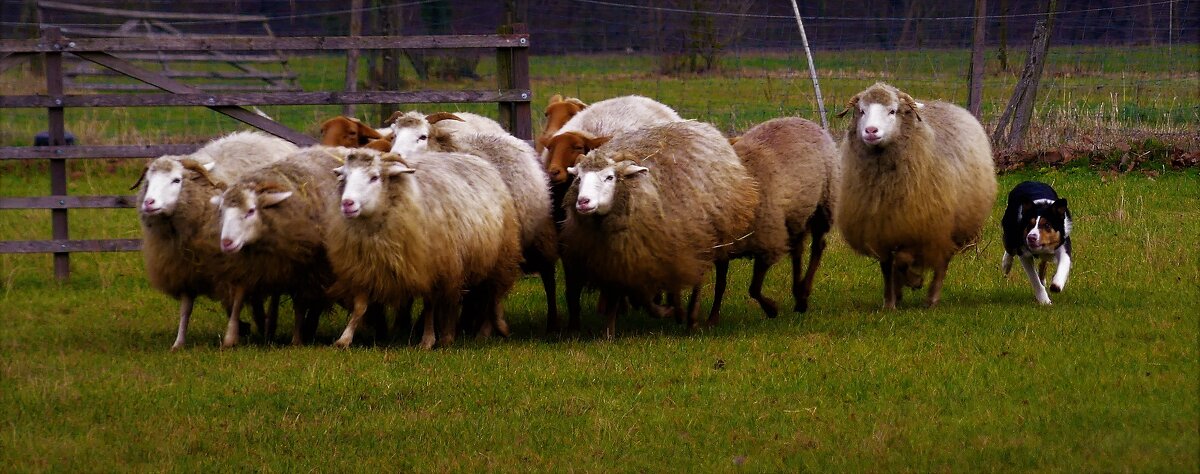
{"points": [[1006, 263], [1063, 267], [1039, 291]]}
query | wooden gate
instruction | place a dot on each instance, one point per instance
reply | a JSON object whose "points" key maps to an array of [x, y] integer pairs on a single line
{"points": [[512, 94]]}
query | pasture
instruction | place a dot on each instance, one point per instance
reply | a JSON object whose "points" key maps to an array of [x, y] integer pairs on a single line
{"points": [[1103, 380]]}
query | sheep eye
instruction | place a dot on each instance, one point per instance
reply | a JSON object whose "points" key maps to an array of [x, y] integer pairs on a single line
{"points": [[608, 178], [422, 137], [374, 179], [176, 180], [250, 213], [892, 112]]}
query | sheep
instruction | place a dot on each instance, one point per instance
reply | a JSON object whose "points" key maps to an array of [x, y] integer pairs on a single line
{"points": [[650, 212], [918, 183], [431, 226], [558, 112], [179, 245], [606, 118], [411, 130], [271, 233], [797, 168], [516, 162]]}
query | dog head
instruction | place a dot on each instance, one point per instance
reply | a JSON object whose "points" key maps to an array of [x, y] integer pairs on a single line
{"points": [[1045, 223]]}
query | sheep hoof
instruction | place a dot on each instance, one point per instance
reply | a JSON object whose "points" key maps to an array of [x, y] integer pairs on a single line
{"points": [[296, 341], [427, 342], [342, 343], [176, 347], [502, 327]]}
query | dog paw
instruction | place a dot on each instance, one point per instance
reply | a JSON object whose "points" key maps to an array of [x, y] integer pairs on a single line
{"points": [[1054, 288]]}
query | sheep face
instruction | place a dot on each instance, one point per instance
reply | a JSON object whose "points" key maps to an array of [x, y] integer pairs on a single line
{"points": [[881, 113], [241, 220], [598, 186], [347, 132], [165, 178], [410, 132], [363, 181], [564, 149]]}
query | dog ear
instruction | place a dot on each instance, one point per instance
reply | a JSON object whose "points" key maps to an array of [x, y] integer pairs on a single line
{"points": [[590, 144], [1060, 206], [366, 133]]}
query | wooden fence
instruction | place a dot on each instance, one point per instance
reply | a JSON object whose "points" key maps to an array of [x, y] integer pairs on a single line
{"points": [[512, 94]]}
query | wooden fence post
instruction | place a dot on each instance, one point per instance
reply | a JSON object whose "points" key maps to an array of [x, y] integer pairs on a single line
{"points": [[352, 54], [512, 72], [58, 166], [975, 93]]}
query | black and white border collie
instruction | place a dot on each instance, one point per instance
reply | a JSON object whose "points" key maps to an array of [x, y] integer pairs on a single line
{"points": [[1037, 224]]}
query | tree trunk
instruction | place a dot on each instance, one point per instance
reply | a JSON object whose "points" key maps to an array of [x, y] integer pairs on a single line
{"points": [[1020, 107]]}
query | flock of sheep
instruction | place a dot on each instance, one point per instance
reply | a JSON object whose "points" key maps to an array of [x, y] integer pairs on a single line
{"points": [[637, 203]]}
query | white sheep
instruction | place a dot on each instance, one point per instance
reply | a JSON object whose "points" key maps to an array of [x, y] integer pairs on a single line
{"points": [[412, 130], [918, 183], [428, 226], [179, 227], [272, 235], [796, 165], [650, 212]]}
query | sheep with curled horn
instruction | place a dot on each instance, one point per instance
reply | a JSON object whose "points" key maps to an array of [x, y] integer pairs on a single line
{"points": [[918, 183]]}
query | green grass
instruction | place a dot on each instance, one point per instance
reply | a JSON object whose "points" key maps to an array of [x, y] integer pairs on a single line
{"points": [[1103, 380]]}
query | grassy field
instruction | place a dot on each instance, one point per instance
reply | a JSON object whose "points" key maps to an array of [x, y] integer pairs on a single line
{"points": [[1103, 380]]}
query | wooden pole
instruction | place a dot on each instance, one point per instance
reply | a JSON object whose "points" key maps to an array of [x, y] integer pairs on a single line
{"points": [[58, 166], [352, 54], [975, 94], [812, 70]]}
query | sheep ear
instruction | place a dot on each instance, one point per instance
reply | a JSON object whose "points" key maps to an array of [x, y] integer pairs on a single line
{"points": [[140, 178], [209, 166], [910, 103], [366, 133], [393, 118], [396, 169], [340, 172], [849, 105], [633, 170], [594, 143], [438, 117], [573, 171], [215, 200], [271, 199]]}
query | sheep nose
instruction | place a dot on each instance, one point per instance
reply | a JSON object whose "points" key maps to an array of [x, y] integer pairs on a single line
{"points": [[583, 202], [872, 130], [149, 202], [227, 243], [347, 203]]}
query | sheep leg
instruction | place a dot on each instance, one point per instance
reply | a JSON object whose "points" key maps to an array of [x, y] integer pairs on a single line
{"points": [[721, 278], [377, 315], [612, 301], [447, 318], [235, 311], [548, 284], [935, 286], [186, 303], [403, 317], [300, 310], [574, 284], [889, 290], [761, 265], [272, 316], [803, 290], [360, 308], [693, 309], [428, 336], [259, 315]]}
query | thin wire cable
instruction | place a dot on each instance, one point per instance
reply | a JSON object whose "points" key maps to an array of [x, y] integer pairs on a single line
{"points": [[865, 18]]}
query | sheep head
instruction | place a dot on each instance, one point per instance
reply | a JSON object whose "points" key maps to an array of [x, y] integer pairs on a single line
{"points": [[882, 113], [411, 131], [564, 149], [598, 181], [165, 178], [558, 112], [363, 181], [347, 132], [240, 211]]}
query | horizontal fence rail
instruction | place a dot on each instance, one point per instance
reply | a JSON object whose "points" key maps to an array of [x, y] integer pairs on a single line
{"points": [[114, 55]]}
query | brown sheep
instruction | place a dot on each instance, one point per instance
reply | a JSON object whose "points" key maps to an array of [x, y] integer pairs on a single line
{"points": [[558, 112], [650, 212], [798, 172], [347, 132], [918, 183]]}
